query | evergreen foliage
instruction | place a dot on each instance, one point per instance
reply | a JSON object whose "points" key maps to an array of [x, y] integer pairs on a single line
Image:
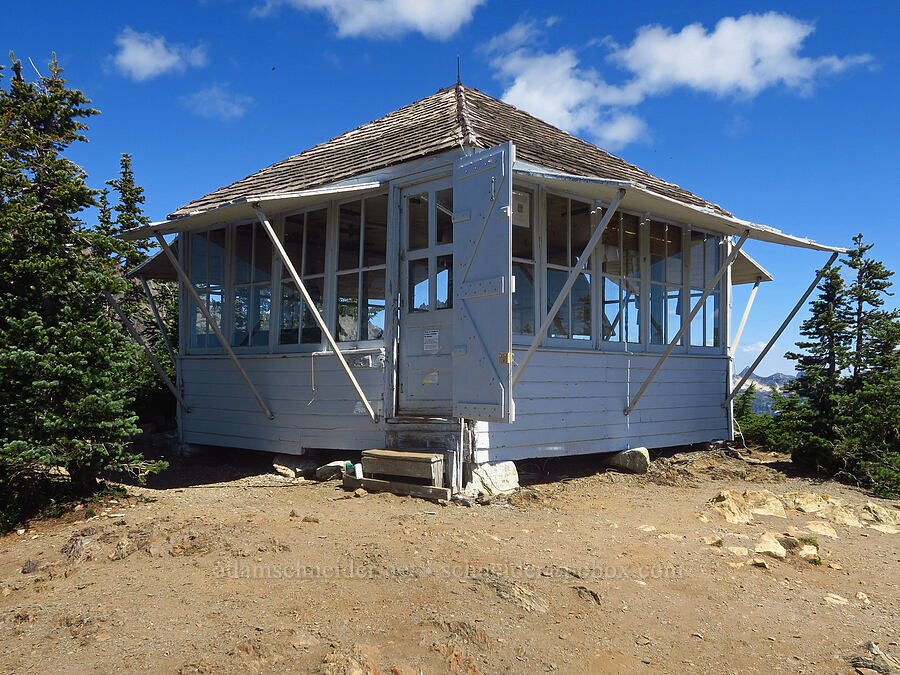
{"points": [[153, 401], [63, 356], [841, 415], [754, 426]]}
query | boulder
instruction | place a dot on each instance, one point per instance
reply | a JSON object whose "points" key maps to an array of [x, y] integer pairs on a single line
{"points": [[731, 506], [768, 544], [764, 503], [821, 528], [331, 470], [809, 553], [294, 466], [633, 460], [807, 502], [870, 511], [493, 479]]}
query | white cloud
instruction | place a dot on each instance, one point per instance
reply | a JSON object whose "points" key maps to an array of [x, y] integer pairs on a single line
{"points": [[740, 57], [754, 348], [217, 102], [438, 19], [142, 56]]}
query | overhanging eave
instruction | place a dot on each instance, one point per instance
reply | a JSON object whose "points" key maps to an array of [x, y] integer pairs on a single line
{"points": [[643, 200]]}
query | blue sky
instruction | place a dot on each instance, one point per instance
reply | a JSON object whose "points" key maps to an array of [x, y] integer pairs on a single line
{"points": [[786, 114]]}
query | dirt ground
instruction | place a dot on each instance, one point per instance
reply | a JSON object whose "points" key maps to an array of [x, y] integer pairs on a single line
{"points": [[222, 566]]}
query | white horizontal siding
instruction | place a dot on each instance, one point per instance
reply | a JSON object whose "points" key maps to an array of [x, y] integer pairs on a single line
{"points": [[224, 411], [573, 402]]}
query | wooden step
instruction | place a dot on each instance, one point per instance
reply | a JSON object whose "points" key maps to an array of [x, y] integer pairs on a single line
{"points": [[427, 465], [396, 487]]}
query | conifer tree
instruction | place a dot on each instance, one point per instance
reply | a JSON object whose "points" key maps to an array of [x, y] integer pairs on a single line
{"points": [[63, 356], [825, 355], [153, 401]]}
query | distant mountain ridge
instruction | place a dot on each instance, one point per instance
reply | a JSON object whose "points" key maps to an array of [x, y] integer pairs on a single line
{"points": [[764, 387]]}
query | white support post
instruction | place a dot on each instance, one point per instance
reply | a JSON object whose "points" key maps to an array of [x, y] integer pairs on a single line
{"points": [[289, 266], [564, 293], [140, 340], [159, 321], [687, 324], [740, 330], [185, 280], [780, 330]]}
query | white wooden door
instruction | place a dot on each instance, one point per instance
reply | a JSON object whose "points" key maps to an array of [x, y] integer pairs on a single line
{"points": [[482, 303], [426, 300]]}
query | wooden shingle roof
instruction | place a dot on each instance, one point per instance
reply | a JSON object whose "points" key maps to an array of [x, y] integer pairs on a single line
{"points": [[448, 119]]}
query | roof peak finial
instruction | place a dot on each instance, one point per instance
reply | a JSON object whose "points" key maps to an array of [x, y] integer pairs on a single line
{"points": [[458, 78]]}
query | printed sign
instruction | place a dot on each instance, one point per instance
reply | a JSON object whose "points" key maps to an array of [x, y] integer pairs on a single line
{"points": [[431, 341]]}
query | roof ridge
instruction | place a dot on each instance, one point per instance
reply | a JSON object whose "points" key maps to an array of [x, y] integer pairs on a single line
{"points": [[462, 116]]}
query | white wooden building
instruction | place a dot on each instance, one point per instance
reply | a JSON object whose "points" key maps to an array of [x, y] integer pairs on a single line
{"points": [[498, 289]]}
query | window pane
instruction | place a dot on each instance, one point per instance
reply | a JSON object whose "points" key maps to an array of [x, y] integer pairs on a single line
{"points": [[262, 256], [522, 238], [609, 247], [373, 287], [580, 299], [199, 328], [348, 236], [657, 254], [309, 329], [347, 308], [673, 315], [631, 245], [523, 299], [522, 246], [291, 306], [699, 319], [657, 314], [711, 259], [243, 249], [262, 309], [293, 243], [581, 228], [444, 282], [632, 314], [557, 227], [417, 222], [315, 242], [198, 259], [444, 202], [711, 316], [241, 317], [697, 263], [375, 243], [418, 286], [673, 254], [612, 316], [559, 327], [217, 257]]}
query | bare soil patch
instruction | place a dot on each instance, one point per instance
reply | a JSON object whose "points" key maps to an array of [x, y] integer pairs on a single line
{"points": [[229, 569]]}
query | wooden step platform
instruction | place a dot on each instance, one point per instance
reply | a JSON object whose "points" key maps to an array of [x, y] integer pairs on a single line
{"points": [[416, 473]]}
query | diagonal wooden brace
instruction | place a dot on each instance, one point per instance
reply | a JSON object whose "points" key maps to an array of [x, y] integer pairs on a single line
{"points": [[687, 324], [185, 280], [298, 282]]}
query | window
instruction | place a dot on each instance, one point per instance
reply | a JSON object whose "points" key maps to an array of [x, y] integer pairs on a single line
{"points": [[362, 252], [304, 242], [665, 282], [620, 272], [704, 255], [568, 231], [429, 250], [251, 287], [207, 265], [523, 263]]}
